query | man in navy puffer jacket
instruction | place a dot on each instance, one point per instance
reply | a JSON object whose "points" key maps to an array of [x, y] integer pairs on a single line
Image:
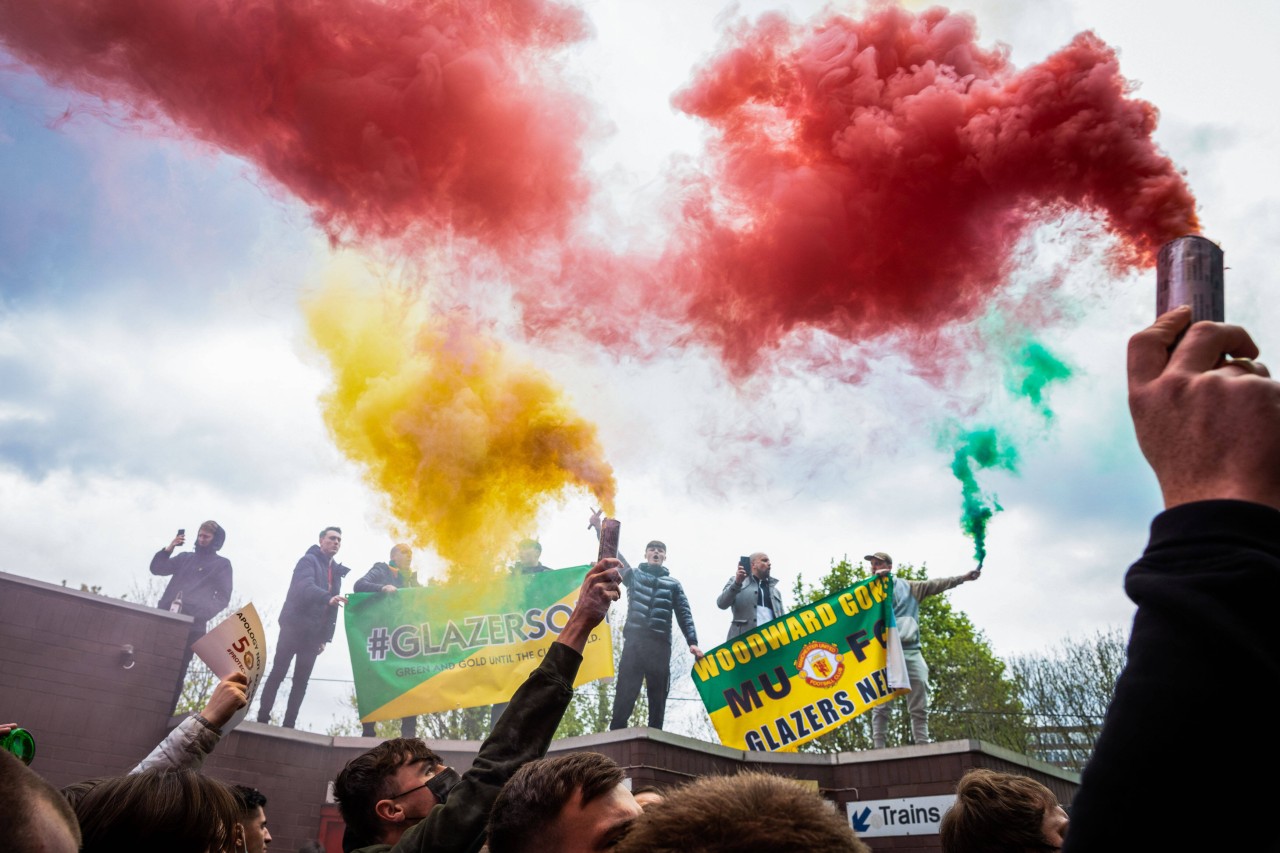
{"points": [[653, 598]]}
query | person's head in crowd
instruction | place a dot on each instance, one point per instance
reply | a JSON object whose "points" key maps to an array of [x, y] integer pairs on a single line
{"points": [[34, 817], [73, 792], [761, 566], [529, 552], [571, 803], [742, 814], [998, 812], [175, 811], [881, 563], [648, 795], [210, 537], [253, 819], [330, 540], [402, 557], [655, 553], [385, 791]]}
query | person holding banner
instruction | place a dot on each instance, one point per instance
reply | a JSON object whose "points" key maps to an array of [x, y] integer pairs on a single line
{"points": [[528, 562], [432, 809], [907, 596], [387, 578], [753, 595], [307, 622]]}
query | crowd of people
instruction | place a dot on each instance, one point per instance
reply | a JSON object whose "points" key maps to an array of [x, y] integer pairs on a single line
{"points": [[1207, 418]]}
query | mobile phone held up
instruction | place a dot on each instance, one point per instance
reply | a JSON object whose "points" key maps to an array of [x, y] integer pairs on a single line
{"points": [[609, 530], [744, 563], [182, 531]]}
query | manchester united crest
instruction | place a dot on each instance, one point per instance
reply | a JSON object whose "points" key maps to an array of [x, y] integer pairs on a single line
{"points": [[820, 664]]}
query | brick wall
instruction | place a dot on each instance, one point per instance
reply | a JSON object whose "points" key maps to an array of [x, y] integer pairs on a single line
{"points": [[61, 676]]}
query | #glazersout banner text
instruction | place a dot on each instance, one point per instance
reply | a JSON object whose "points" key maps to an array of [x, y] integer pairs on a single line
{"points": [[462, 645], [807, 672]]}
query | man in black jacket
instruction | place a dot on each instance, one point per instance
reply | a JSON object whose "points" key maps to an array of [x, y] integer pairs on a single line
{"points": [[653, 598], [386, 578], [307, 622], [199, 586]]}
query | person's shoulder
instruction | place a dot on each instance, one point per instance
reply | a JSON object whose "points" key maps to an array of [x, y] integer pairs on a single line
{"points": [[373, 848]]}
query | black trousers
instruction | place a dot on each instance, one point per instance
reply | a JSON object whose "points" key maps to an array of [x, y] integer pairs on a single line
{"points": [[197, 631], [408, 728], [646, 657], [292, 644]]}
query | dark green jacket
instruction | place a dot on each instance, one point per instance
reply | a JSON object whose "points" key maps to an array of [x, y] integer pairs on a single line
{"points": [[521, 735]]}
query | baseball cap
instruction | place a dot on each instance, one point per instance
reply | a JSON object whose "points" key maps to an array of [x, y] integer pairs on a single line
{"points": [[879, 555]]}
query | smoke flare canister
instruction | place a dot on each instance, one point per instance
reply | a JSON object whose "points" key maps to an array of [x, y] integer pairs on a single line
{"points": [[1189, 272]]}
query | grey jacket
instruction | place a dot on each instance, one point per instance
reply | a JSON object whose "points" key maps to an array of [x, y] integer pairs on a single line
{"points": [[184, 748], [743, 601]]}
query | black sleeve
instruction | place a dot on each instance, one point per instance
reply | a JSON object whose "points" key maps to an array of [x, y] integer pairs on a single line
{"points": [[1206, 590], [684, 616], [523, 733]]}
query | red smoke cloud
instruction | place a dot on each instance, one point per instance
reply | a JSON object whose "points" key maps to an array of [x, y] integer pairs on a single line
{"points": [[875, 175], [387, 118], [866, 176]]}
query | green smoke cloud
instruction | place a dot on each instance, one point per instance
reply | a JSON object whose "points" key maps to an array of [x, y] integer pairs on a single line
{"points": [[979, 450], [1031, 371]]}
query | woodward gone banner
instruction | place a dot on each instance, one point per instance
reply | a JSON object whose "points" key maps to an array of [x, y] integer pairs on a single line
{"points": [[808, 672], [462, 645]]}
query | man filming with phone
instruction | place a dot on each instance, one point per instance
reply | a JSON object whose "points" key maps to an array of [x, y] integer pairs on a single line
{"points": [[752, 593], [199, 584]]}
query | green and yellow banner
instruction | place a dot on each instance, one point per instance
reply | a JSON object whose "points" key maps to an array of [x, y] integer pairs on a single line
{"points": [[462, 645], [806, 673]]}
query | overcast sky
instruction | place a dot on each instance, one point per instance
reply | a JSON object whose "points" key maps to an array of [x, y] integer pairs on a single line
{"points": [[157, 367]]}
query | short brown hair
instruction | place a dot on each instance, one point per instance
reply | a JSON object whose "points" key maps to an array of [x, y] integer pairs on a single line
{"points": [[997, 812], [158, 810], [532, 799], [742, 814], [366, 779], [23, 789]]}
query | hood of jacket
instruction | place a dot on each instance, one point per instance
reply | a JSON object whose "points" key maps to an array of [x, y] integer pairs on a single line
{"points": [[219, 537]]}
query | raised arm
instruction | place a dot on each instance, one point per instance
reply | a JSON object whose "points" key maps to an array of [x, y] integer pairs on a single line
{"points": [[1208, 421]]}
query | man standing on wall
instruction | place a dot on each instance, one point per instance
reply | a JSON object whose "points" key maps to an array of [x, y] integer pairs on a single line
{"points": [[307, 622], [386, 578], [907, 596], [199, 584], [753, 595], [528, 562], [654, 597]]}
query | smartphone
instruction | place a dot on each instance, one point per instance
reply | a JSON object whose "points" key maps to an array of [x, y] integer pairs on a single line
{"points": [[609, 529], [182, 531], [744, 563]]}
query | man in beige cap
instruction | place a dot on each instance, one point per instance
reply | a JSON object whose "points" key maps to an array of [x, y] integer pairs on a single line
{"points": [[907, 596]]}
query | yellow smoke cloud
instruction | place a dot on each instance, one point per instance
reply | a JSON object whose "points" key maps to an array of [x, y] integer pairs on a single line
{"points": [[465, 443]]}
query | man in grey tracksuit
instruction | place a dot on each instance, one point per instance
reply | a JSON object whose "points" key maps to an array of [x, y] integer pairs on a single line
{"points": [[907, 596]]}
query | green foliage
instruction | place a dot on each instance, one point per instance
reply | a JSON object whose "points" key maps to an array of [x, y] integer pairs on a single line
{"points": [[198, 687], [970, 695]]}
